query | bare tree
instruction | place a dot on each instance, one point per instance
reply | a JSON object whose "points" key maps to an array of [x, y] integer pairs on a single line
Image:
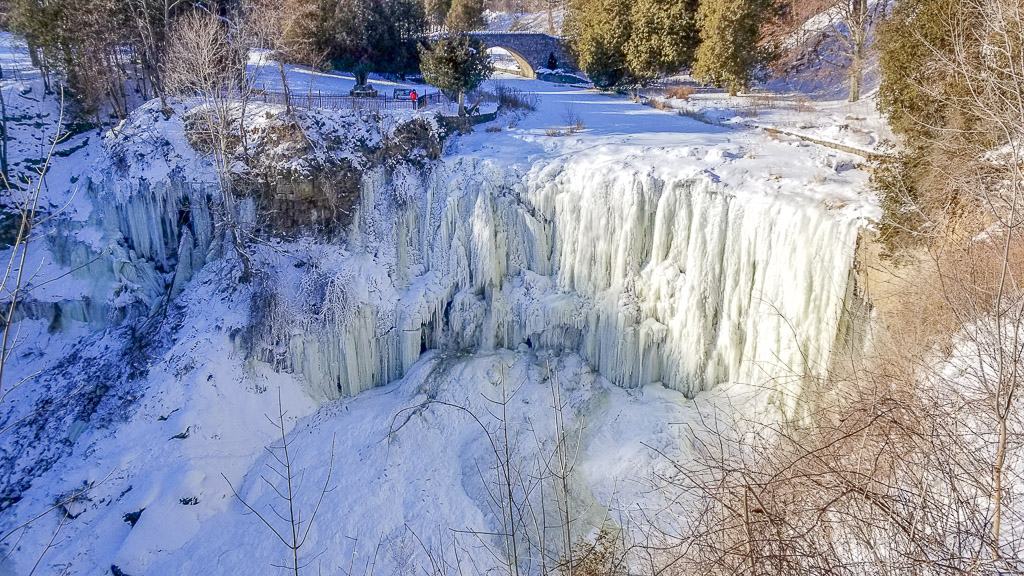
{"points": [[550, 6], [206, 61], [152, 20], [15, 276], [902, 457], [988, 59], [853, 22], [284, 27], [296, 528], [4, 168], [16, 284]]}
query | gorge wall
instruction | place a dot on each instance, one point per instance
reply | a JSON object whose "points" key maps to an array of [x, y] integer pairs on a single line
{"points": [[653, 275]]}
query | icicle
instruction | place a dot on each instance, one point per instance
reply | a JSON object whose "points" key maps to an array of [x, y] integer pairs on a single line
{"points": [[671, 281]]}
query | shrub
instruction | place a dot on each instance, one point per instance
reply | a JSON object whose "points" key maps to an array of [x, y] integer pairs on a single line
{"points": [[455, 64], [514, 99], [573, 120], [893, 179]]}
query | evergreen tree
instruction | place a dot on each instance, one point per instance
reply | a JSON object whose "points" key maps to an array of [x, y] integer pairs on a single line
{"points": [[406, 21], [909, 44], [305, 30], [437, 12], [663, 39], [455, 64], [631, 42], [732, 51], [552, 63], [375, 35], [598, 31], [465, 15]]}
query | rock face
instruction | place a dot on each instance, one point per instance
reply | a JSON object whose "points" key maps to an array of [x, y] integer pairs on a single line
{"points": [[159, 213]]}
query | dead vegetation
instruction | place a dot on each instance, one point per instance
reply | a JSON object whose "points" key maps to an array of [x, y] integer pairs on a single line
{"points": [[680, 92], [512, 99]]}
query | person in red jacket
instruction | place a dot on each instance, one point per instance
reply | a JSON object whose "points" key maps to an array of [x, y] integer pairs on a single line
{"points": [[414, 96]]}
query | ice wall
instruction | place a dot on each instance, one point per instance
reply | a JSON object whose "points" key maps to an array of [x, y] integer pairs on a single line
{"points": [[653, 276], [136, 247], [165, 231]]}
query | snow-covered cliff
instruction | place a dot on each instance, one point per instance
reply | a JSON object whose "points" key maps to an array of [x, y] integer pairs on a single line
{"points": [[652, 273]]}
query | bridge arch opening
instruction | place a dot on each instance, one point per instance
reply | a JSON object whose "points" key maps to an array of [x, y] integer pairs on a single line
{"points": [[510, 61]]}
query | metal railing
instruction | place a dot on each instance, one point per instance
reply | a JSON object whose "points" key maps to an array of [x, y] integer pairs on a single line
{"points": [[334, 101]]}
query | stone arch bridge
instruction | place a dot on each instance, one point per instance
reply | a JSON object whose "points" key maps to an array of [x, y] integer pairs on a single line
{"points": [[529, 49]]}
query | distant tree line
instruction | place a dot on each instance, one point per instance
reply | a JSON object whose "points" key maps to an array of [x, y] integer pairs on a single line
{"points": [[362, 36], [112, 54], [456, 15], [108, 52]]}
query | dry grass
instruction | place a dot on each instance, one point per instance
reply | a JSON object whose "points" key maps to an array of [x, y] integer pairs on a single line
{"points": [[602, 557], [513, 99], [680, 92], [573, 120], [803, 104], [659, 104]]}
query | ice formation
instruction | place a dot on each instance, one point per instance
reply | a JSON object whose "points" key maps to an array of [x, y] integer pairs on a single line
{"points": [[651, 279], [149, 240], [650, 272]]}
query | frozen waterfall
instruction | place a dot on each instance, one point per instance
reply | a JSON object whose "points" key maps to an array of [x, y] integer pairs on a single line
{"points": [[650, 277]]}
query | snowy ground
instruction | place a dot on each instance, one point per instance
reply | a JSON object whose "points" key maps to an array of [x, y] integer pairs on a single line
{"points": [[619, 127], [614, 128], [857, 125], [141, 481], [301, 79]]}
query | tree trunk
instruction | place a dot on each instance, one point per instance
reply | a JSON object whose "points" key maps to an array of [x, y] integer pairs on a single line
{"points": [[462, 103], [3, 138], [284, 86], [997, 487], [856, 73], [858, 24]]}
